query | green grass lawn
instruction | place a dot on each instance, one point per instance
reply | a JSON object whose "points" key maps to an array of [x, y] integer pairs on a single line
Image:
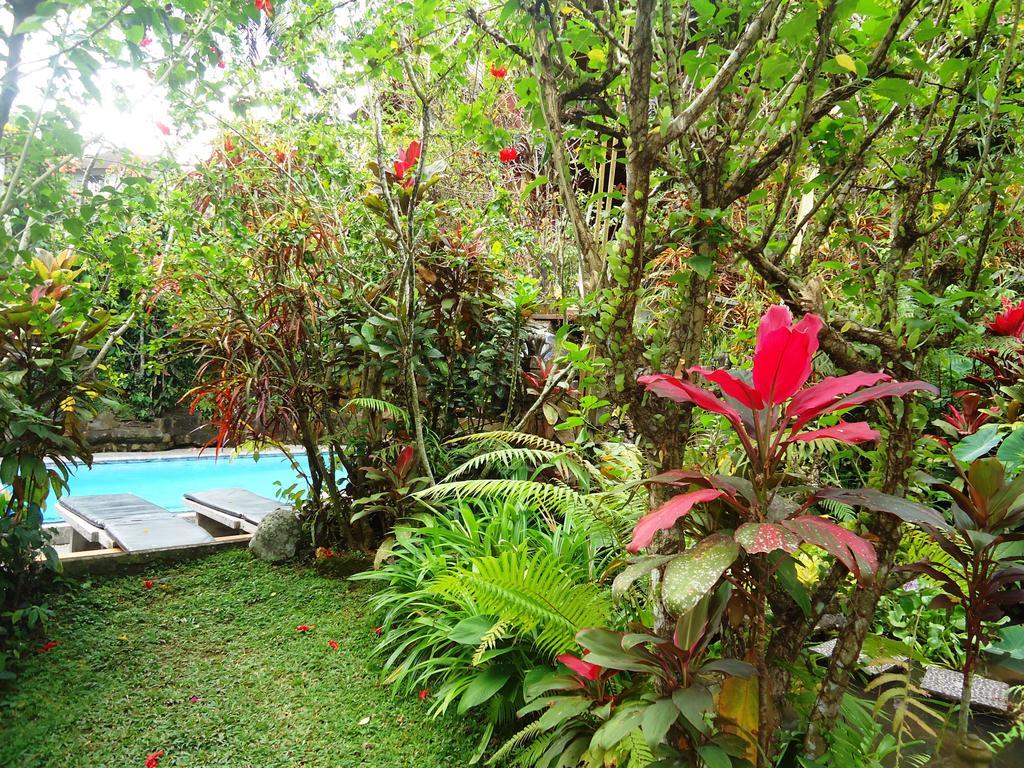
{"points": [[223, 629]]}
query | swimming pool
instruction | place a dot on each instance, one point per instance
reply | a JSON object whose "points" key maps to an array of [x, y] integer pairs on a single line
{"points": [[164, 480]]}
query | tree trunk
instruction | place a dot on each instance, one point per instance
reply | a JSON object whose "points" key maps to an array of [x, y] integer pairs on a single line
{"points": [[864, 600]]}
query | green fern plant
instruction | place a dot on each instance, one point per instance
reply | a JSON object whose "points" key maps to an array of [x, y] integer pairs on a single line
{"points": [[533, 594]]}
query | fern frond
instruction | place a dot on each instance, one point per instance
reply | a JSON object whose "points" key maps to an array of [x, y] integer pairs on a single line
{"points": [[513, 438], [517, 740], [533, 595], [640, 755], [508, 458], [379, 406], [491, 637], [551, 497]]}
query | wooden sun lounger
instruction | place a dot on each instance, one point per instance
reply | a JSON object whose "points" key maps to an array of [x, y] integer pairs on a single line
{"points": [[127, 522], [232, 508]]}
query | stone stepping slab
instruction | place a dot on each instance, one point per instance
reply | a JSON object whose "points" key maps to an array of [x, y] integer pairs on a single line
{"points": [[948, 684], [940, 683], [829, 647]]}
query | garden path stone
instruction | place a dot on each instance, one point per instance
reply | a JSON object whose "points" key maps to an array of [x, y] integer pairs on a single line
{"points": [[947, 684], [829, 646], [277, 536]]}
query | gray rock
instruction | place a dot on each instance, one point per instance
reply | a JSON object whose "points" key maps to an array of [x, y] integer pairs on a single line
{"points": [[277, 536]]}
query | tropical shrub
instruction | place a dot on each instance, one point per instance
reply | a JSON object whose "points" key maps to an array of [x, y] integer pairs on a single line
{"points": [[758, 521], [982, 573], [476, 594], [49, 337]]}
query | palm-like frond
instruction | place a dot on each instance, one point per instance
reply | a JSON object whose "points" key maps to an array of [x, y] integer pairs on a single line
{"points": [[511, 458], [512, 438], [533, 594], [550, 497], [380, 406]]}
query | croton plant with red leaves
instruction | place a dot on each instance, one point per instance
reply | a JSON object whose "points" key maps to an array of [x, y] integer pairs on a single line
{"points": [[770, 409]]}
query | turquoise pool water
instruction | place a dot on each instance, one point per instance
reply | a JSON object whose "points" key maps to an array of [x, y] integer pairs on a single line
{"points": [[163, 481]]}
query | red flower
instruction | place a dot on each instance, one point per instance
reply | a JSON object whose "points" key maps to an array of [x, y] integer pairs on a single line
{"points": [[193, 699], [145, 41], [303, 628], [264, 5], [407, 158], [1010, 322], [220, 63], [508, 154], [280, 156], [582, 668], [148, 584], [153, 758], [164, 129], [423, 694], [333, 644], [378, 631], [49, 646], [499, 72]]}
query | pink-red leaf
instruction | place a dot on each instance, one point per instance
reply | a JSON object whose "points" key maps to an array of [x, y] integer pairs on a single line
{"points": [[844, 432], [808, 403], [681, 391], [582, 668], [733, 386], [877, 392], [666, 516], [850, 549], [766, 537], [782, 359]]}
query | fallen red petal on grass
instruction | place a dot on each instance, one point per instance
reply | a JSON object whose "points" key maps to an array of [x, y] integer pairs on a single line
{"points": [[49, 646], [333, 644], [148, 584], [303, 628], [153, 758]]}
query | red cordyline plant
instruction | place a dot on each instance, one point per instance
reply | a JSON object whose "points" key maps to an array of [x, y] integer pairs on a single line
{"points": [[770, 409]]}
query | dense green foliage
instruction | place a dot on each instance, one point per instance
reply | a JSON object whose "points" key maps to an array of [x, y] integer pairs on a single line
{"points": [[589, 533]]}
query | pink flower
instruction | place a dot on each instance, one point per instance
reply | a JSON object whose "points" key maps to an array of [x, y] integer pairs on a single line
{"points": [[145, 42], [153, 758], [220, 63], [164, 129], [148, 584], [49, 646], [193, 699], [1010, 322], [423, 694], [582, 668], [499, 72], [407, 158], [508, 154], [333, 644], [303, 628]]}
